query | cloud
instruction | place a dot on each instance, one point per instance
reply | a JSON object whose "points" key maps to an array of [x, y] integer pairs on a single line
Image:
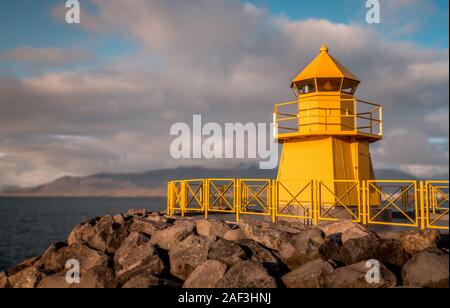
{"points": [[228, 61], [44, 56]]}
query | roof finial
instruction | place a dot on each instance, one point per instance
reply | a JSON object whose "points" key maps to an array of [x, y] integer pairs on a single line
{"points": [[324, 48]]}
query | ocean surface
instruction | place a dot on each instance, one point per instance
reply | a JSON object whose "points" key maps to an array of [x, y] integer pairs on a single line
{"points": [[29, 225]]}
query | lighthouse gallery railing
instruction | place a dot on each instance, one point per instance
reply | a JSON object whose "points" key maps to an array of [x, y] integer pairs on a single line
{"points": [[304, 117]]}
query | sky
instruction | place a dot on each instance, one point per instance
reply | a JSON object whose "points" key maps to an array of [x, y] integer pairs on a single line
{"points": [[101, 96]]}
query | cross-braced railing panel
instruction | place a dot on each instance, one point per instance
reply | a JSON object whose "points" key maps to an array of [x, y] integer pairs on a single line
{"points": [[255, 197], [436, 204], [221, 195], [394, 203], [294, 199], [339, 199]]}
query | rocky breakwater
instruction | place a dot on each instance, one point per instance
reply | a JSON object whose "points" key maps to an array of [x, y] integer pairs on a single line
{"points": [[148, 250]]}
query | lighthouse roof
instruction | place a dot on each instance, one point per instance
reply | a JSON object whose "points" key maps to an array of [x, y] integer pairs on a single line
{"points": [[325, 66]]}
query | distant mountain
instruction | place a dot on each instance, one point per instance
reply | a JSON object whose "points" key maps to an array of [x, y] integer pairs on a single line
{"points": [[147, 184], [151, 183]]}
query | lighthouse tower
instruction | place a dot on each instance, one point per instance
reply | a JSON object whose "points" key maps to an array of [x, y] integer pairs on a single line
{"points": [[327, 131]]}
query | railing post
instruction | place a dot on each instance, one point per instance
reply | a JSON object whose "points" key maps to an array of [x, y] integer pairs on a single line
{"points": [[205, 198], [183, 198], [237, 199], [381, 120], [273, 200], [315, 202], [363, 192], [423, 218], [169, 201]]}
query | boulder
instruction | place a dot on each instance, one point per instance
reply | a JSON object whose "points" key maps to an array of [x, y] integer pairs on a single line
{"points": [[119, 219], [135, 256], [391, 251], [331, 250], [55, 258], [264, 234], [290, 227], [187, 255], [166, 238], [211, 228], [314, 274], [114, 241], [259, 254], [429, 268], [149, 282], [234, 235], [226, 252], [21, 266], [419, 240], [358, 249], [344, 229], [147, 227], [82, 233], [3, 280], [25, 279], [137, 212], [301, 248], [102, 235], [206, 275], [97, 278], [354, 276], [156, 217], [247, 275]]}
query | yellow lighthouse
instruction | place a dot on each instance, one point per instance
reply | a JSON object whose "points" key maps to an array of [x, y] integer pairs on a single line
{"points": [[327, 131]]}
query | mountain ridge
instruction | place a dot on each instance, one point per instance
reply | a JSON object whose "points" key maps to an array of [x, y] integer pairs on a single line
{"points": [[149, 183]]}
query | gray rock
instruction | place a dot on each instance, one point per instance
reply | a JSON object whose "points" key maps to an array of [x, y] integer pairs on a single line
{"points": [[55, 258], [344, 229], [263, 234], [119, 219], [206, 275], [247, 274], [97, 278], [147, 227], [301, 248], [187, 255], [429, 268], [234, 235], [359, 249], [314, 274], [102, 235], [149, 282], [21, 266], [226, 252], [135, 256], [3, 280], [137, 212], [82, 233], [166, 238], [391, 251], [25, 279], [211, 228], [419, 240], [156, 217], [354, 276]]}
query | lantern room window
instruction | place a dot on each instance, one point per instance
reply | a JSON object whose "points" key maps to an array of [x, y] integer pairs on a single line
{"points": [[329, 84], [305, 87], [349, 86]]}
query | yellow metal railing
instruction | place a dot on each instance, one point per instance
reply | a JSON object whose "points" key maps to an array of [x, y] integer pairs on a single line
{"points": [[395, 203], [305, 117]]}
